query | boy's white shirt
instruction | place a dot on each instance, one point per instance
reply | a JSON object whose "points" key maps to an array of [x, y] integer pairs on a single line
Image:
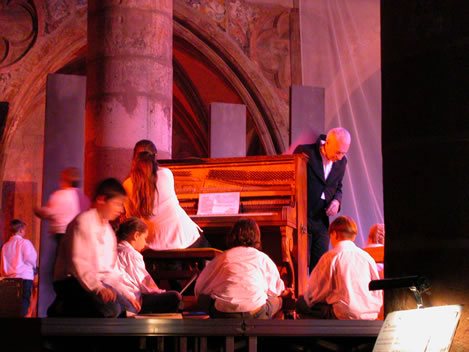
{"points": [[18, 258], [62, 207], [240, 280], [341, 279], [88, 251]]}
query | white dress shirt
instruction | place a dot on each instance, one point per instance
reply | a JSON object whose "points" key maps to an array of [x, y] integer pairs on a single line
{"points": [[240, 280], [341, 279], [18, 258], [62, 207], [135, 275], [326, 166], [88, 251]]}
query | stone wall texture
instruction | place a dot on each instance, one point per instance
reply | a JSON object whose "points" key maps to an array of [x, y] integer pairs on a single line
{"points": [[44, 36]]}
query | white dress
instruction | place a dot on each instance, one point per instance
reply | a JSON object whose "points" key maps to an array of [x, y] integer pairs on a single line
{"points": [[169, 227]]}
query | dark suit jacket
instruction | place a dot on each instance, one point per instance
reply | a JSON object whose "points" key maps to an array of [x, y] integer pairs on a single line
{"points": [[332, 187]]}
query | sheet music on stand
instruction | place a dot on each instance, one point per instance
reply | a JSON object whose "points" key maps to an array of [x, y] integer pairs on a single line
{"points": [[419, 330], [222, 203]]}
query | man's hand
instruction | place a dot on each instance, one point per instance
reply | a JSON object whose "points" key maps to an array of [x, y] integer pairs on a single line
{"points": [[333, 208], [107, 294]]}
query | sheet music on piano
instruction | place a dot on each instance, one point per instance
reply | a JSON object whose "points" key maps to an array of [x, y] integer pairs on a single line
{"points": [[226, 203]]}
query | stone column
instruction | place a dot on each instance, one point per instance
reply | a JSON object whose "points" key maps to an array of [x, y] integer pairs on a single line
{"points": [[425, 55], [129, 83]]}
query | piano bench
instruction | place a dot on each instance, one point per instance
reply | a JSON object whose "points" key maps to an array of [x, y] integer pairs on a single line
{"points": [[174, 274], [182, 254], [177, 264]]}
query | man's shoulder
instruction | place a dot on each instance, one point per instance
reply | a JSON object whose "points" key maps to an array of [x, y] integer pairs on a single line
{"points": [[304, 148], [311, 150]]}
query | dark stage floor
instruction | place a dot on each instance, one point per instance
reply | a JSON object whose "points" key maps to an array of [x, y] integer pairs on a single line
{"points": [[88, 334]]}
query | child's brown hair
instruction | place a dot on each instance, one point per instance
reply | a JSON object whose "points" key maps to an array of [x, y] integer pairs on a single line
{"points": [[244, 233], [129, 227], [16, 225], [344, 226]]}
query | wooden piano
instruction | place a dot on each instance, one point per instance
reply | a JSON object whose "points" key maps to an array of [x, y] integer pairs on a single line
{"points": [[272, 192]]}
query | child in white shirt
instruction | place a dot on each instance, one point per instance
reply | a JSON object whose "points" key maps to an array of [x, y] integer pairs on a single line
{"points": [[18, 260], [242, 282], [86, 278], [132, 236], [338, 285], [64, 204]]}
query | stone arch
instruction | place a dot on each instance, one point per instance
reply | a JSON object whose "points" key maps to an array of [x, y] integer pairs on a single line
{"points": [[269, 112], [29, 82]]}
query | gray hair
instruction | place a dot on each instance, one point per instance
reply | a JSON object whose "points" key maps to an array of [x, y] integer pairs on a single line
{"points": [[341, 134]]}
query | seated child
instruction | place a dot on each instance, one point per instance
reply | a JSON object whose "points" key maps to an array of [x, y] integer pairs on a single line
{"points": [[242, 282], [18, 260], [375, 246], [338, 285], [132, 235], [86, 278]]}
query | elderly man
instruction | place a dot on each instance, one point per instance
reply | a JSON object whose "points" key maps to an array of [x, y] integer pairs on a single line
{"points": [[326, 169]]}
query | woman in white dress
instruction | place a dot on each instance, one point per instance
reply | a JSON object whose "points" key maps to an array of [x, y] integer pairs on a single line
{"points": [[151, 197]]}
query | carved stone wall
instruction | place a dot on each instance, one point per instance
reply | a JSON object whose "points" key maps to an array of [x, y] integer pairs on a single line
{"points": [[18, 30], [40, 37], [261, 30], [47, 35]]}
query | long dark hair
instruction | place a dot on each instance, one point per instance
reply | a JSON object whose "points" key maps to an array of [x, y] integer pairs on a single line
{"points": [[144, 145], [143, 177]]}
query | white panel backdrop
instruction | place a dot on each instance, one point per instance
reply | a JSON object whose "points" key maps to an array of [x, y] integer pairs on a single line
{"points": [[341, 52]]}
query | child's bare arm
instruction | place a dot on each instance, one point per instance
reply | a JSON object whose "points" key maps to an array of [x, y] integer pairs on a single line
{"points": [[150, 286]]}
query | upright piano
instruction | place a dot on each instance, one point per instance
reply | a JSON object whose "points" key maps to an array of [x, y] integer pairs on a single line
{"points": [[272, 192]]}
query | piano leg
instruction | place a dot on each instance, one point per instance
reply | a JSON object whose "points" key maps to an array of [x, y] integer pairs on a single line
{"points": [[287, 248]]}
